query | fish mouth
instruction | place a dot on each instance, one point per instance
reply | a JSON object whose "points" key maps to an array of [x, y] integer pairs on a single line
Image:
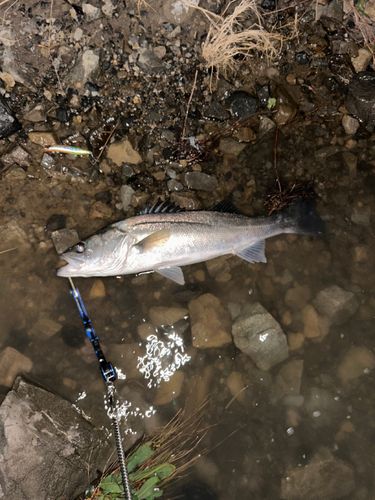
{"points": [[71, 268]]}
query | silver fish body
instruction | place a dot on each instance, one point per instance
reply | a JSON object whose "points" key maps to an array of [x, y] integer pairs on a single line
{"points": [[162, 242]]}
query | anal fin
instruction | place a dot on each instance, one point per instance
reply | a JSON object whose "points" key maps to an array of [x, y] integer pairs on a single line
{"points": [[254, 253], [173, 273]]}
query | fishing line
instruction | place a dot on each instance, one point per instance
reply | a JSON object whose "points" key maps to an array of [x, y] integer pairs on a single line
{"points": [[109, 376]]}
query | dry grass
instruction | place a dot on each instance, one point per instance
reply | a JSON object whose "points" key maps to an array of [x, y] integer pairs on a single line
{"points": [[228, 37]]}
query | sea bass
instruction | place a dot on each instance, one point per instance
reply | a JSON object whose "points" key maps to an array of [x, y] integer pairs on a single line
{"points": [[162, 239]]}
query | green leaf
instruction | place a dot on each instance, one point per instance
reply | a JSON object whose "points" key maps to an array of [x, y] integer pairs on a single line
{"points": [[112, 484], [271, 103], [161, 470], [140, 455], [146, 492]]}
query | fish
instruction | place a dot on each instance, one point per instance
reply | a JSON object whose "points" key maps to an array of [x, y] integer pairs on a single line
{"points": [[163, 238], [71, 150]]}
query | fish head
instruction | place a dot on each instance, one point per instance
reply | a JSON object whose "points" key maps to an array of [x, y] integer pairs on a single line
{"points": [[103, 254]]}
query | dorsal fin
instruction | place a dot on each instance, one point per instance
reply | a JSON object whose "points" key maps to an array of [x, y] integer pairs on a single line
{"points": [[160, 207], [226, 206]]}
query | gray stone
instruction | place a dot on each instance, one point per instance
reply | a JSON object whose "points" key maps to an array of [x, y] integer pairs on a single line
{"points": [[85, 69], [336, 304], [64, 239], [91, 12], [36, 114], [149, 62], [350, 124], [265, 125], [47, 161], [44, 328], [360, 217], [200, 181], [242, 104], [259, 335], [17, 155], [230, 146], [126, 193], [324, 477], [46, 447], [12, 363], [210, 322], [174, 185]]}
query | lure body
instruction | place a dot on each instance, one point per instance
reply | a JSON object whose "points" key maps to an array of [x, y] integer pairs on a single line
{"points": [[70, 150]]}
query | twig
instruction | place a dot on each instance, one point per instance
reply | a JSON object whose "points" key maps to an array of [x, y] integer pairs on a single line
{"points": [[188, 106], [9, 250], [236, 396], [106, 142]]}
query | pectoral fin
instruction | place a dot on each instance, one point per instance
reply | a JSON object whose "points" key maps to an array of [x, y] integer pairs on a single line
{"points": [[255, 253], [173, 273], [154, 240]]}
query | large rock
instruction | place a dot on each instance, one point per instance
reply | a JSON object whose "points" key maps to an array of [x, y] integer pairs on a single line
{"points": [[325, 477], [160, 315], [357, 361], [8, 122], [336, 304], [210, 322], [46, 447], [259, 335]]}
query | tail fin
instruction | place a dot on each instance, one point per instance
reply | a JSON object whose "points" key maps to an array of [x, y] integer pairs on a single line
{"points": [[302, 218]]}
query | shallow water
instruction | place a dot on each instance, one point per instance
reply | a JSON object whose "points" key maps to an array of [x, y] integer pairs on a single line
{"points": [[273, 434]]}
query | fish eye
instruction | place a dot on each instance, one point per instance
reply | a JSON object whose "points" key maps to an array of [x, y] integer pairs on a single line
{"points": [[80, 247]]}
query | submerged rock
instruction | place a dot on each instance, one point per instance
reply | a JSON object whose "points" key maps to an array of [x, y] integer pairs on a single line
{"points": [[170, 390], [200, 181], [324, 477], [160, 315], [12, 363], [44, 441], [210, 322], [288, 380], [360, 100], [336, 304], [357, 361], [259, 335]]}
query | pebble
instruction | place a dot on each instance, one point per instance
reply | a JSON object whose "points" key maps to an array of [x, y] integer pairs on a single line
{"points": [[210, 322], [100, 210], [285, 109], [64, 239], [36, 114], [12, 363], [85, 69], [97, 290], [336, 304], [315, 326], [350, 161], [244, 134], [288, 380], [362, 60], [362, 253], [168, 391], [17, 155], [160, 51], [265, 125], [200, 181], [291, 79], [8, 122], [44, 329], [177, 12], [217, 112], [126, 193], [150, 62], [322, 407], [357, 361], [360, 217], [47, 161], [43, 139], [296, 298], [230, 146], [160, 315], [302, 58], [325, 477], [242, 104], [91, 12], [257, 334], [174, 185], [122, 152], [235, 384], [350, 124], [145, 330]]}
